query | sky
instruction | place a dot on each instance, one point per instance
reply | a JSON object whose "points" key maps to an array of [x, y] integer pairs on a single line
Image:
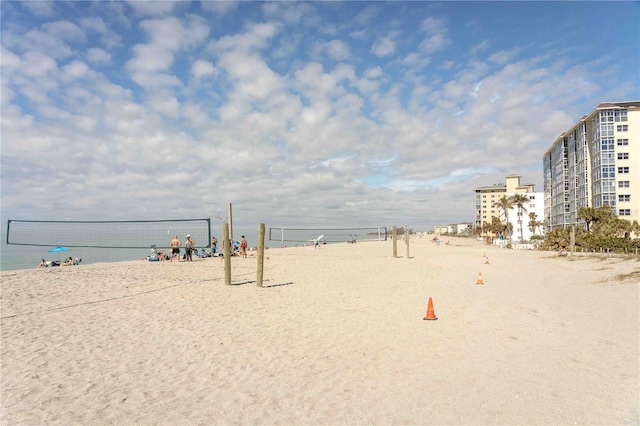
{"points": [[314, 114]]}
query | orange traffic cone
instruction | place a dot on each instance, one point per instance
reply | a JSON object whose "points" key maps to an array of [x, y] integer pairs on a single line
{"points": [[430, 314], [486, 262], [480, 279]]}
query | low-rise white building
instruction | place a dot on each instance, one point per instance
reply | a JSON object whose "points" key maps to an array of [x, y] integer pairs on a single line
{"points": [[520, 221]]}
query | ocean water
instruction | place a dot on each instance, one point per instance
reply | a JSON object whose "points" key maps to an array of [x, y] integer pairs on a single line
{"points": [[14, 257], [26, 257]]}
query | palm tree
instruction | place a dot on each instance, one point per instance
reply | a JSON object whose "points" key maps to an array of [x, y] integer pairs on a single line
{"points": [[602, 218], [534, 223], [504, 204], [519, 200], [588, 214]]}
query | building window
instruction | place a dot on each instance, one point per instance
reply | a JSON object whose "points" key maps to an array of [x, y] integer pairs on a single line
{"points": [[609, 171], [607, 144], [623, 142], [622, 127], [624, 212], [623, 156], [623, 184], [623, 170], [624, 197]]}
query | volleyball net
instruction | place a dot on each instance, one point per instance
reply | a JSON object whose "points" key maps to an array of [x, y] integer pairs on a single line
{"points": [[329, 235], [107, 234]]}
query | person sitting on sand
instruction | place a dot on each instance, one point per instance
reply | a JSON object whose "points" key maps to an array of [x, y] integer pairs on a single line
{"points": [[77, 261], [43, 264], [68, 261], [562, 251]]}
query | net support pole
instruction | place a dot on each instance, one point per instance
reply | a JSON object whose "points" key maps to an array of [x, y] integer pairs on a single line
{"points": [[230, 218], [394, 238], [406, 240], [261, 231], [226, 249]]}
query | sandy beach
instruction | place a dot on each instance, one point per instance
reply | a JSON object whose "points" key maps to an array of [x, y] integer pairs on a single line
{"points": [[335, 336]]}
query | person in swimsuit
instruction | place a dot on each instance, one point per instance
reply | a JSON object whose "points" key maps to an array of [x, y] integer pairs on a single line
{"points": [[175, 248], [243, 247]]}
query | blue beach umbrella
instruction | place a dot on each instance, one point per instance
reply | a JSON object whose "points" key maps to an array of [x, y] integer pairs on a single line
{"points": [[58, 250]]}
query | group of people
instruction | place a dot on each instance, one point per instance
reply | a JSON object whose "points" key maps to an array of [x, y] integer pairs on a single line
{"points": [[190, 248], [67, 262]]}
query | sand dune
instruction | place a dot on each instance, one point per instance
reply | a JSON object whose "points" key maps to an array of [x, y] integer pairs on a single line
{"points": [[335, 336]]}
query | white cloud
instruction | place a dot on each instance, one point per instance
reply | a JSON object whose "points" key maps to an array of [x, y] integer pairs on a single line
{"points": [[65, 30], [383, 47], [42, 9], [97, 25], [504, 56], [338, 50], [437, 35], [153, 8], [257, 36], [77, 70], [201, 68], [483, 45], [151, 61], [289, 12], [98, 55]]}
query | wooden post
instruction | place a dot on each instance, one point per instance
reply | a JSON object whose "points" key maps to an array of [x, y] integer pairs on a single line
{"points": [[230, 221], [261, 232], [572, 239], [226, 250], [394, 238], [406, 239]]}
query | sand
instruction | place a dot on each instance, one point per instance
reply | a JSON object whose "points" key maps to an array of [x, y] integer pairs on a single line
{"points": [[335, 336]]}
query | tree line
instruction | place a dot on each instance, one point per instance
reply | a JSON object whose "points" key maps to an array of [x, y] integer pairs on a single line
{"points": [[604, 230]]}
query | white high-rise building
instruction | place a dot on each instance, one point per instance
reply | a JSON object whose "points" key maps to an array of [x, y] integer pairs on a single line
{"points": [[594, 163]]}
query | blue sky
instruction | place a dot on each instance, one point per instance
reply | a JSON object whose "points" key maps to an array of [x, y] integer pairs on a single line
{"points": [[316, 114]]}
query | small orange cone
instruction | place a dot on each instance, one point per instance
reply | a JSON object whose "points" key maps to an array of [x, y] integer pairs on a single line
{"points": [[486, 262], [480, 279], [430, 314]]}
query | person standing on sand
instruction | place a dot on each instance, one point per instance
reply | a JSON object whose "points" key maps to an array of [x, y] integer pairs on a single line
{"points": [[214, 244], [243, 247], [175, 248], [188, 247]]}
